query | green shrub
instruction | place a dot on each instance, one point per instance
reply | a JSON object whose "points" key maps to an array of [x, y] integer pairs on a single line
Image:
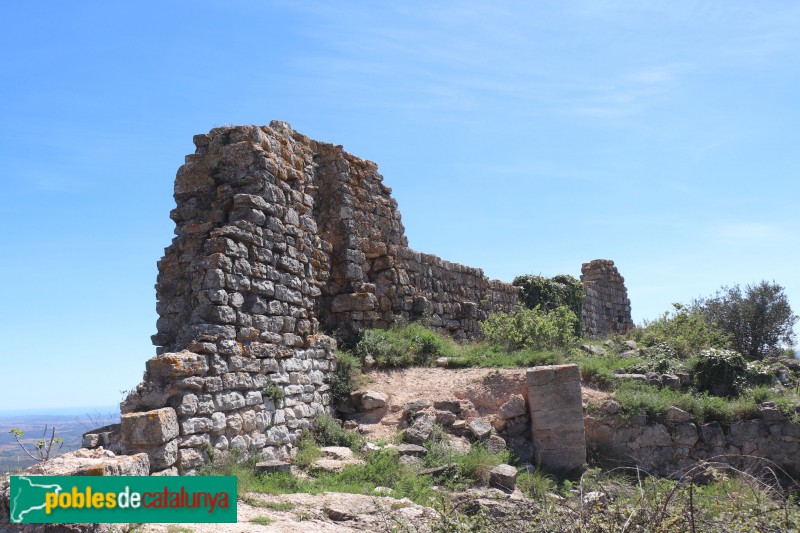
{"points": [[549, 294], [484, 355], [686, 331], [404, 345], [531, 328], [720, 372], [348, 368], [536, 484], [307, 450], [328, 432], [602, 369], [274, 392], [476, 464]]}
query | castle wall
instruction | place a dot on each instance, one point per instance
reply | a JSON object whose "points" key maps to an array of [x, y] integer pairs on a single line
{"points": [[606, 308], [279, 239]]}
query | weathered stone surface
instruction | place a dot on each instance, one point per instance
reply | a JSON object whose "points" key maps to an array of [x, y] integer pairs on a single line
{"points": [[277, 238], [96, 462], [411, 449], [480, 428], [419, 431], [271, 467], [515, 406], [675, 414], [503, 477], [151, 428], [606, 307], [372, 400], [177, 365], [557, 428]]}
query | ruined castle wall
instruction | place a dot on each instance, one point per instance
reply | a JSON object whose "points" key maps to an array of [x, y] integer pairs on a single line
{"points": [[278, 238], [606, 308]]}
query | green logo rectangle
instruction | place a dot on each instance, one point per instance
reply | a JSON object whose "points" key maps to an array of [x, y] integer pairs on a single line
{"points": [[124, 499]]}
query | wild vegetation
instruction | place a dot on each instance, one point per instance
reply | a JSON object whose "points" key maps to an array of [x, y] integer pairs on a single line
{"points": [[724, 374]]}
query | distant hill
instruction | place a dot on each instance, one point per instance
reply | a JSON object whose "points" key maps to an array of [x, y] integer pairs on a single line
{"points": [[69, 426]]}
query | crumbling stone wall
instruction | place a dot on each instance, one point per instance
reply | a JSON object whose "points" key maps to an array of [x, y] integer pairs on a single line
{"points": [[676, 445], [279, 238], [606, 309]]}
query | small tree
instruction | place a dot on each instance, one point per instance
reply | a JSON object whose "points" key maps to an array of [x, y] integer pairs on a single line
{"points": [[42, 447], [758, 320]]}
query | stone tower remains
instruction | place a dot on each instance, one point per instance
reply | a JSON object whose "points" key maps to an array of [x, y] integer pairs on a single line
{"points": [[606, 309], [279, 239]]}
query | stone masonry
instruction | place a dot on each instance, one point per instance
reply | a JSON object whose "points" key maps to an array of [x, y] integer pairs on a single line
{"points": [[606, 309], [279, 238], [556, 409]]}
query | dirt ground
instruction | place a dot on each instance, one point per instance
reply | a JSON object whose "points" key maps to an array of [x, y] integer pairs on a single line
{"points": [[483, 386]]}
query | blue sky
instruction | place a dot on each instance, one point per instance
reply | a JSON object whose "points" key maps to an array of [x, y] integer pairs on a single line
{"points": [[520, 137]]}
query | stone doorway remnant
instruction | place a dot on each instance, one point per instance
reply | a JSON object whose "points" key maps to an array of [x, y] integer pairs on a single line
{"points": [[556, 406]]}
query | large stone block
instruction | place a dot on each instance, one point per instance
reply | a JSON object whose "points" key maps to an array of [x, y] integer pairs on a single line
{"points": [[177, 365], [557, 426], [151, 428], [359, 301]]}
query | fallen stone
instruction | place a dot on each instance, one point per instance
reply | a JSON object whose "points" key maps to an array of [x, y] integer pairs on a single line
{"points": [[419, 431], [410, 461], [675, 414], [496, 444], [454, 406], [594, 498], [416, 405], [631, 377], [480, 428], [459, 444], [411, 449], [515, 406], [95, 462], [271, 467], [671, 381], [437, 470], [503, 477], [337, 452], [611, 407], [445, 418], [338, 514], [372, 400], [592, 349]]}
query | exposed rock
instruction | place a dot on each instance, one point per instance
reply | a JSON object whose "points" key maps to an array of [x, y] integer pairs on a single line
{"points": [[411, 449], [95, 462], [503, 477], [480, 428], [515, 406], [674, 414], [271, 467], [420, 430], [594, 498], [372, 400], [611, 407], [496, 444], [593, 349], [454, 406], [416, 405]]}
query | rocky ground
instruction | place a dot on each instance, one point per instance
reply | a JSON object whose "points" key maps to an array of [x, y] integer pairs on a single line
{"points": [[394, 394]]}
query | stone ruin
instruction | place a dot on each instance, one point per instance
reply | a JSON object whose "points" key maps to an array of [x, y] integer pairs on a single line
{"points": [[281, 239], [606, 309]]}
